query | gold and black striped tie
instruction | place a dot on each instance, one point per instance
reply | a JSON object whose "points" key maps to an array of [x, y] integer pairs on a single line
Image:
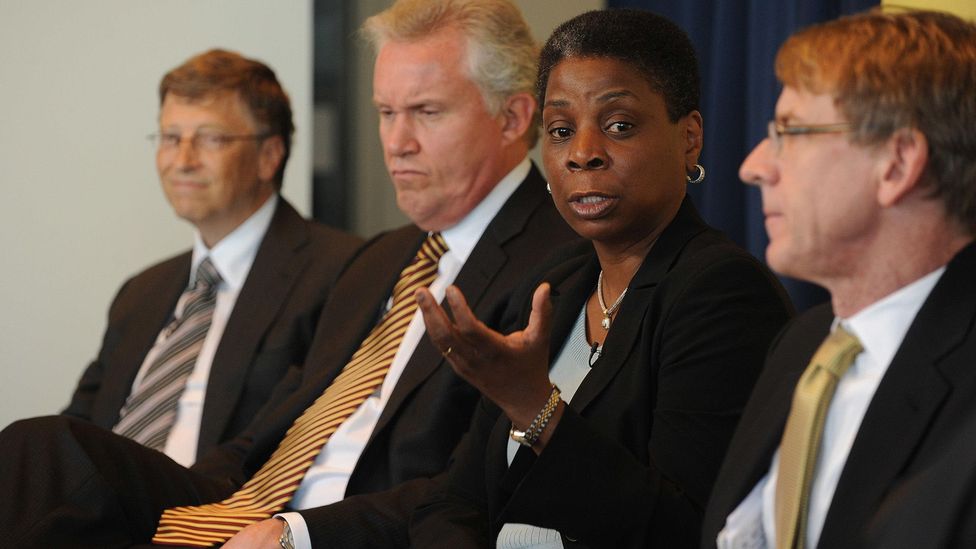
{"points": [[273, 486]]}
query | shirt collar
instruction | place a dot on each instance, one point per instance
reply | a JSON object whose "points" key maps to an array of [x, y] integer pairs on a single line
{"points": [[234, 254], [882, 326], [462, 237]]}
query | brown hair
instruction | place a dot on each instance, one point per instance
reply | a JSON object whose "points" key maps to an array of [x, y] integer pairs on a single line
{"points": [[900, 69], [501, 54], [217, 71]]}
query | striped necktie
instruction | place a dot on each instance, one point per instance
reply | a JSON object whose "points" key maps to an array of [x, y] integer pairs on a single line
{"points": [[273, 486], [804, 430], [150, 410]]}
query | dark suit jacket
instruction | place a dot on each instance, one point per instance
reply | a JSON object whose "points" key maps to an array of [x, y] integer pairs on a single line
{"points": [[632, 460], [927, 391], [269, 330], [430, 407], [934, 508]]}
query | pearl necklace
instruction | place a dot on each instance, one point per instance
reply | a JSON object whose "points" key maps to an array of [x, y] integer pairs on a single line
{"points": [[607, 311]]}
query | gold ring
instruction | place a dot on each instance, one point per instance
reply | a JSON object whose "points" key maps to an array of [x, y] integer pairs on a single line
{"points": [[447, 352]]}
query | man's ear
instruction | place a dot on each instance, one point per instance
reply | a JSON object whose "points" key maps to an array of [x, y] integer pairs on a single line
{"points": [[906, 154], [517, 116], [270, 157]]}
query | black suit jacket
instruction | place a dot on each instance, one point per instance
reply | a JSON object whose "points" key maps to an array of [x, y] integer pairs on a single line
{"points": [[632, 460], [926, 393], [430, 407], [270, 328], [935, 507]]}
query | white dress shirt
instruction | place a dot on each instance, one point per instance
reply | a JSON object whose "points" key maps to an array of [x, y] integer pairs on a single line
{"points": [[880, 327], [232, 257], [326, 480]]}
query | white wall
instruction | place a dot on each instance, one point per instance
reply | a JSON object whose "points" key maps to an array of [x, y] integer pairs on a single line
{"points": [[81, 207]]}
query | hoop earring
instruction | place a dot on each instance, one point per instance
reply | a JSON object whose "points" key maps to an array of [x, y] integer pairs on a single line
{"points": [[701, 175], [548, 189]]}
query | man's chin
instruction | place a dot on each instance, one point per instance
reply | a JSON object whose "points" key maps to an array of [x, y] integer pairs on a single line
{"points": [[778, 260], [431, 221]]}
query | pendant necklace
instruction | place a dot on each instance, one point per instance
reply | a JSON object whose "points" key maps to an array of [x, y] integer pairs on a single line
{"points": [[607, 311]]}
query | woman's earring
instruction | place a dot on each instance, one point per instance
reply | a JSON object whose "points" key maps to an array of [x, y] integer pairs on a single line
{"points": [[548, 189], [701, 175]]}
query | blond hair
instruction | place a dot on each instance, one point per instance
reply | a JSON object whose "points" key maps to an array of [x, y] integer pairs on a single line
{"points": [[501, 55]]}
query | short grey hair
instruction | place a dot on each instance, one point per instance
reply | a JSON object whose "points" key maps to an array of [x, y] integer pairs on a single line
{"points": [[502, 56]]}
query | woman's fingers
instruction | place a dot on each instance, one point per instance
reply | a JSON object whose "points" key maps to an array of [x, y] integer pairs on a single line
{"points": [[537, 330], [439, 328], [485, 358], [460, 341], [482, 342]]}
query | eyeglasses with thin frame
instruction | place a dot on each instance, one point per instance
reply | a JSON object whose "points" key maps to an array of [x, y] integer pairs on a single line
{"points": [[201, 141], [776, 131]]}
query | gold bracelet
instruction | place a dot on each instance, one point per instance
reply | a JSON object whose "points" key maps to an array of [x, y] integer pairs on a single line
{"points": [[531, 435]]}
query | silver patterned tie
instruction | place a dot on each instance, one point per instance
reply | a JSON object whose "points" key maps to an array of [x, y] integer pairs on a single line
{"points": [[150, 411]]}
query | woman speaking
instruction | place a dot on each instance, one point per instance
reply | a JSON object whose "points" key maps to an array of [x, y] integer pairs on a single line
{"points": [[607, 417]]}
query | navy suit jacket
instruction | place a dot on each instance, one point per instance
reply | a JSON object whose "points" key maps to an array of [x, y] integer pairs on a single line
{"points": [[269, 330], [924, 397]]}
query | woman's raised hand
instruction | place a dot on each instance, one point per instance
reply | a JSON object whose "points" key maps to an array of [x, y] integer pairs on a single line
{"points": [[511, 370]]}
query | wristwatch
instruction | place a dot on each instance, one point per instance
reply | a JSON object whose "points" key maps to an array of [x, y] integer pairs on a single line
{"points": [[286, 540], [522, 437]]}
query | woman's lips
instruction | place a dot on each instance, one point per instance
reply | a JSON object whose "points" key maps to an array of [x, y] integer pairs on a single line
{"points": [[592, 205]]}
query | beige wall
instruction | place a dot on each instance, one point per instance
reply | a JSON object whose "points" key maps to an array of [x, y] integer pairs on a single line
{"points": [[962, 8], [82, 208]]}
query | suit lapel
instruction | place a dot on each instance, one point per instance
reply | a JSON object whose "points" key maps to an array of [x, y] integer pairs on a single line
{"points": [[350, 314], [570, 295], [906, 402], [764, 418], [143, 330], [570, 286], [627, 326], [276, 267], [487, 258]]}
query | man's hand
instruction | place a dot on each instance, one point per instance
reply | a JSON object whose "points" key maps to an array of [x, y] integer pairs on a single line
{"points": [[261, 535]]}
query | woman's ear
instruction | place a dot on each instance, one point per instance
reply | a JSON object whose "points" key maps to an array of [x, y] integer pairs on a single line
{"points": [[694, 138]]}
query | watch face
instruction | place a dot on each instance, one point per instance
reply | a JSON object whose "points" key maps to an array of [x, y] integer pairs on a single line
{"points": [[287, 539]]}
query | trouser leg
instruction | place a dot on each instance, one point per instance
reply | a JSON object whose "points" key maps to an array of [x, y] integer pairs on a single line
{"points": [[68, 483]]}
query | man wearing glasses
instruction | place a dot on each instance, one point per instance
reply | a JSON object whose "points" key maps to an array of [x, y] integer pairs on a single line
{"points": [[377, 406], [868, 181], [195, 344]]}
